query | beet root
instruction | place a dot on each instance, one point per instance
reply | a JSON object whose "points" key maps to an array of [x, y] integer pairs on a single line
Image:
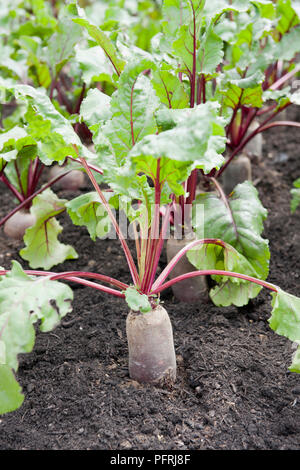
{"points": [[15, 227], [73, 180], [255, 146], [192, 290], [238, 171], [152, 356]]}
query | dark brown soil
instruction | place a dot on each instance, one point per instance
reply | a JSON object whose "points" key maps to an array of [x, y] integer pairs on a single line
{"points": [[233, 391]]}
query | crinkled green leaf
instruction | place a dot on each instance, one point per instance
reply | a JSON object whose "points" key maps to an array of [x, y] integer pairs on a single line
{"points": [[177, 13], [11, 397], [198, 139], [214, 8], [285, 317], [182, 48], [25, 300], [133, 106], [103, 40], [8, 140], [230, 293], [171, 173], [238, 222], [226, 258], [95, 107], [242, 91], [266, 8], [87, 210], [210, 53], [181, 25], [295, 98], [14, 68], [37, 20], [42, 247], [194, 138], [288, 46], [169, 88], [229, 290], [118, 174], [94, 64], [61, 45], [288, 13], [17, 149], [295, 366], [54, 133]]}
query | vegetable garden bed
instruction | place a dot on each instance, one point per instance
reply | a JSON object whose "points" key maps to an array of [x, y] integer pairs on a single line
{"points": [[233, 388]]}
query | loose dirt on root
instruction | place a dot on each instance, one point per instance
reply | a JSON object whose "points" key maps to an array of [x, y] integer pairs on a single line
{"points": [[233, 390]]}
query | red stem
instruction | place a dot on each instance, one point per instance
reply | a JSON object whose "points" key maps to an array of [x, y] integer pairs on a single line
{"points": [[11, 187], [24, 202], [78, 104], [285, 77], [280, 123], [165, 273], [28, 199], [33, 176], [100, 277], [63, 99], [245, 126], [19, 179], [199, 92], [229, 129], [92, 167], [259, 129], [203, 89], [192, 186], [73, 276], [212, 272], [154, 234], [108, 290], [193, 78], [37, 175], [52, 88], [29, 176], [260, 112], [159, 247]]}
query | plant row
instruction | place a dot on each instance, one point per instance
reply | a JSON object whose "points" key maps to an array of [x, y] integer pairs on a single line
{"points": [[155, 105]]}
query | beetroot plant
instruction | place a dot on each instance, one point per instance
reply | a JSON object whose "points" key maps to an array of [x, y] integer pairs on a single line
{"points": [[146, 152], [256, 83]]}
